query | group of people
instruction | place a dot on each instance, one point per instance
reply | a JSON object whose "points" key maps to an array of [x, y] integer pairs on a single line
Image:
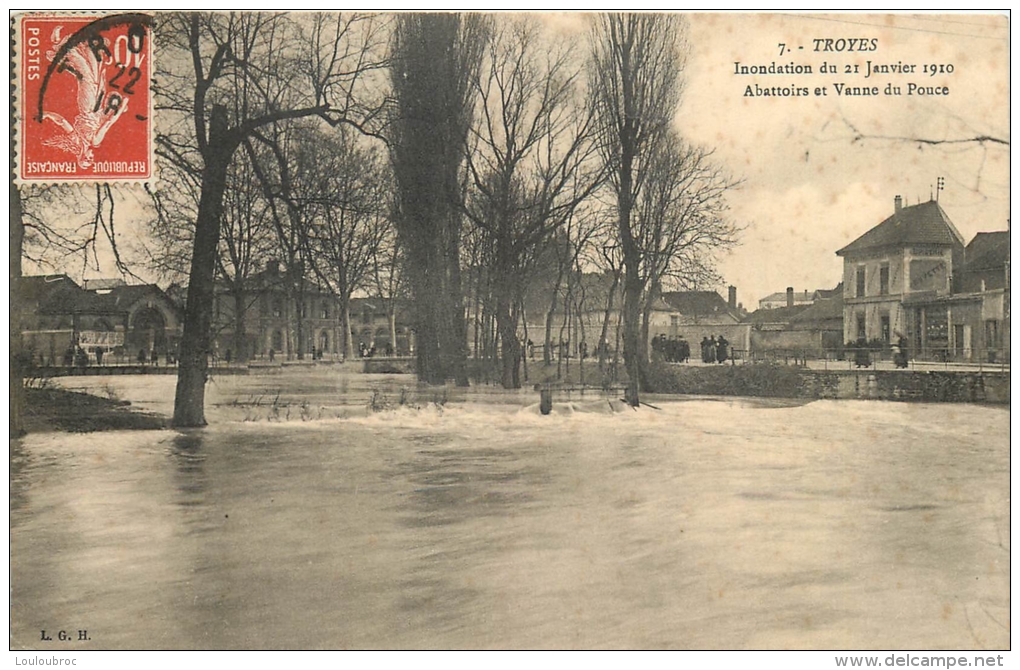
{"points": [[672, 349], [561, 349], [78, 357], [676, 349], [715, 349], [901, 355], [366, 351], [861, 351], [153, 357]]}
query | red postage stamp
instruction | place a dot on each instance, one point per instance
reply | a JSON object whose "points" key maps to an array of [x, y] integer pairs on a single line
{"points": [[84, 98]]}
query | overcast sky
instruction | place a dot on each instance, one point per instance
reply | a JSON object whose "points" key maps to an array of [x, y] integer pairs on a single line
{"points": [[808, 189]]}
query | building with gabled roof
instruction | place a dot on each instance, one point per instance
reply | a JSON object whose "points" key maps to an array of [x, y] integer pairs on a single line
{"points": [[776, 318], [806, 329], [986, 265], [824, 315], [58, 315], [701, 306], [789, 298], [695, 315], [912, 280], [908, 256]]}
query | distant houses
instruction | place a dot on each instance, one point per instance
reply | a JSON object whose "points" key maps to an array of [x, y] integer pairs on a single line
{"points": [[695, 315], [284, 316], [791, 298], [806, 328], [910, 277], [107, 319], [692, 315]]}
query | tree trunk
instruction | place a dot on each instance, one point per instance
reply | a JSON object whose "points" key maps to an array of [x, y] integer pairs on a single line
{"points": [[428, 299], [298, 300], [477, 310], [240, 341], [456, 332], [345, 325], [646, 319], [547, 354], [510, 358], [603, 338], [393, 325], [16, 358], [524, 354], [189, 401], [631, 283]]}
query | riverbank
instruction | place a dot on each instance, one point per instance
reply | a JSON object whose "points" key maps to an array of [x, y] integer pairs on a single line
{"points": [[59, 410]]}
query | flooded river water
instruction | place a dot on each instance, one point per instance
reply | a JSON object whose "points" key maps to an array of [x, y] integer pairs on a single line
{"points": [[298, 519]]}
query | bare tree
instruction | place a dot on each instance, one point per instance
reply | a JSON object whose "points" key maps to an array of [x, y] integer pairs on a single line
{"points": [[278, 156], [388, 281], [680, 220], [230, 75], [245, 237], [531, 166], [435, 57], [635, 79], [245, 245], [604, 254], [345, 190]]}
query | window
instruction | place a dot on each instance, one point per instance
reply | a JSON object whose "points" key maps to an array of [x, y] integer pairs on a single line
{"points": [[277, 340], [277, 307], [674, 320], [992, 334], [862, 331], [883, 279], [324, 312], [860, 281], [886, 334]]}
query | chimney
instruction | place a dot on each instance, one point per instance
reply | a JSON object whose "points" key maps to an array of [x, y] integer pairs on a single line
{"points": [[733, 297], [898, 203], [789, 296]]}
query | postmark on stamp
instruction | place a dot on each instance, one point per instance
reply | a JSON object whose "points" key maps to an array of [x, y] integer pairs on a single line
{"points": [[84, 98]]}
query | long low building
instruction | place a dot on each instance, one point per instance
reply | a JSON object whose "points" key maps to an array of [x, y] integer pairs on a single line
{"points": [[58, 318]]}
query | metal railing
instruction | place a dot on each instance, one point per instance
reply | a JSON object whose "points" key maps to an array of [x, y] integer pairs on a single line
{"points": [[888, 358]]}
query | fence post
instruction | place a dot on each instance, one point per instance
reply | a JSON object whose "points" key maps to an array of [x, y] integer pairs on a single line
{"points": [[546, 400]]}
